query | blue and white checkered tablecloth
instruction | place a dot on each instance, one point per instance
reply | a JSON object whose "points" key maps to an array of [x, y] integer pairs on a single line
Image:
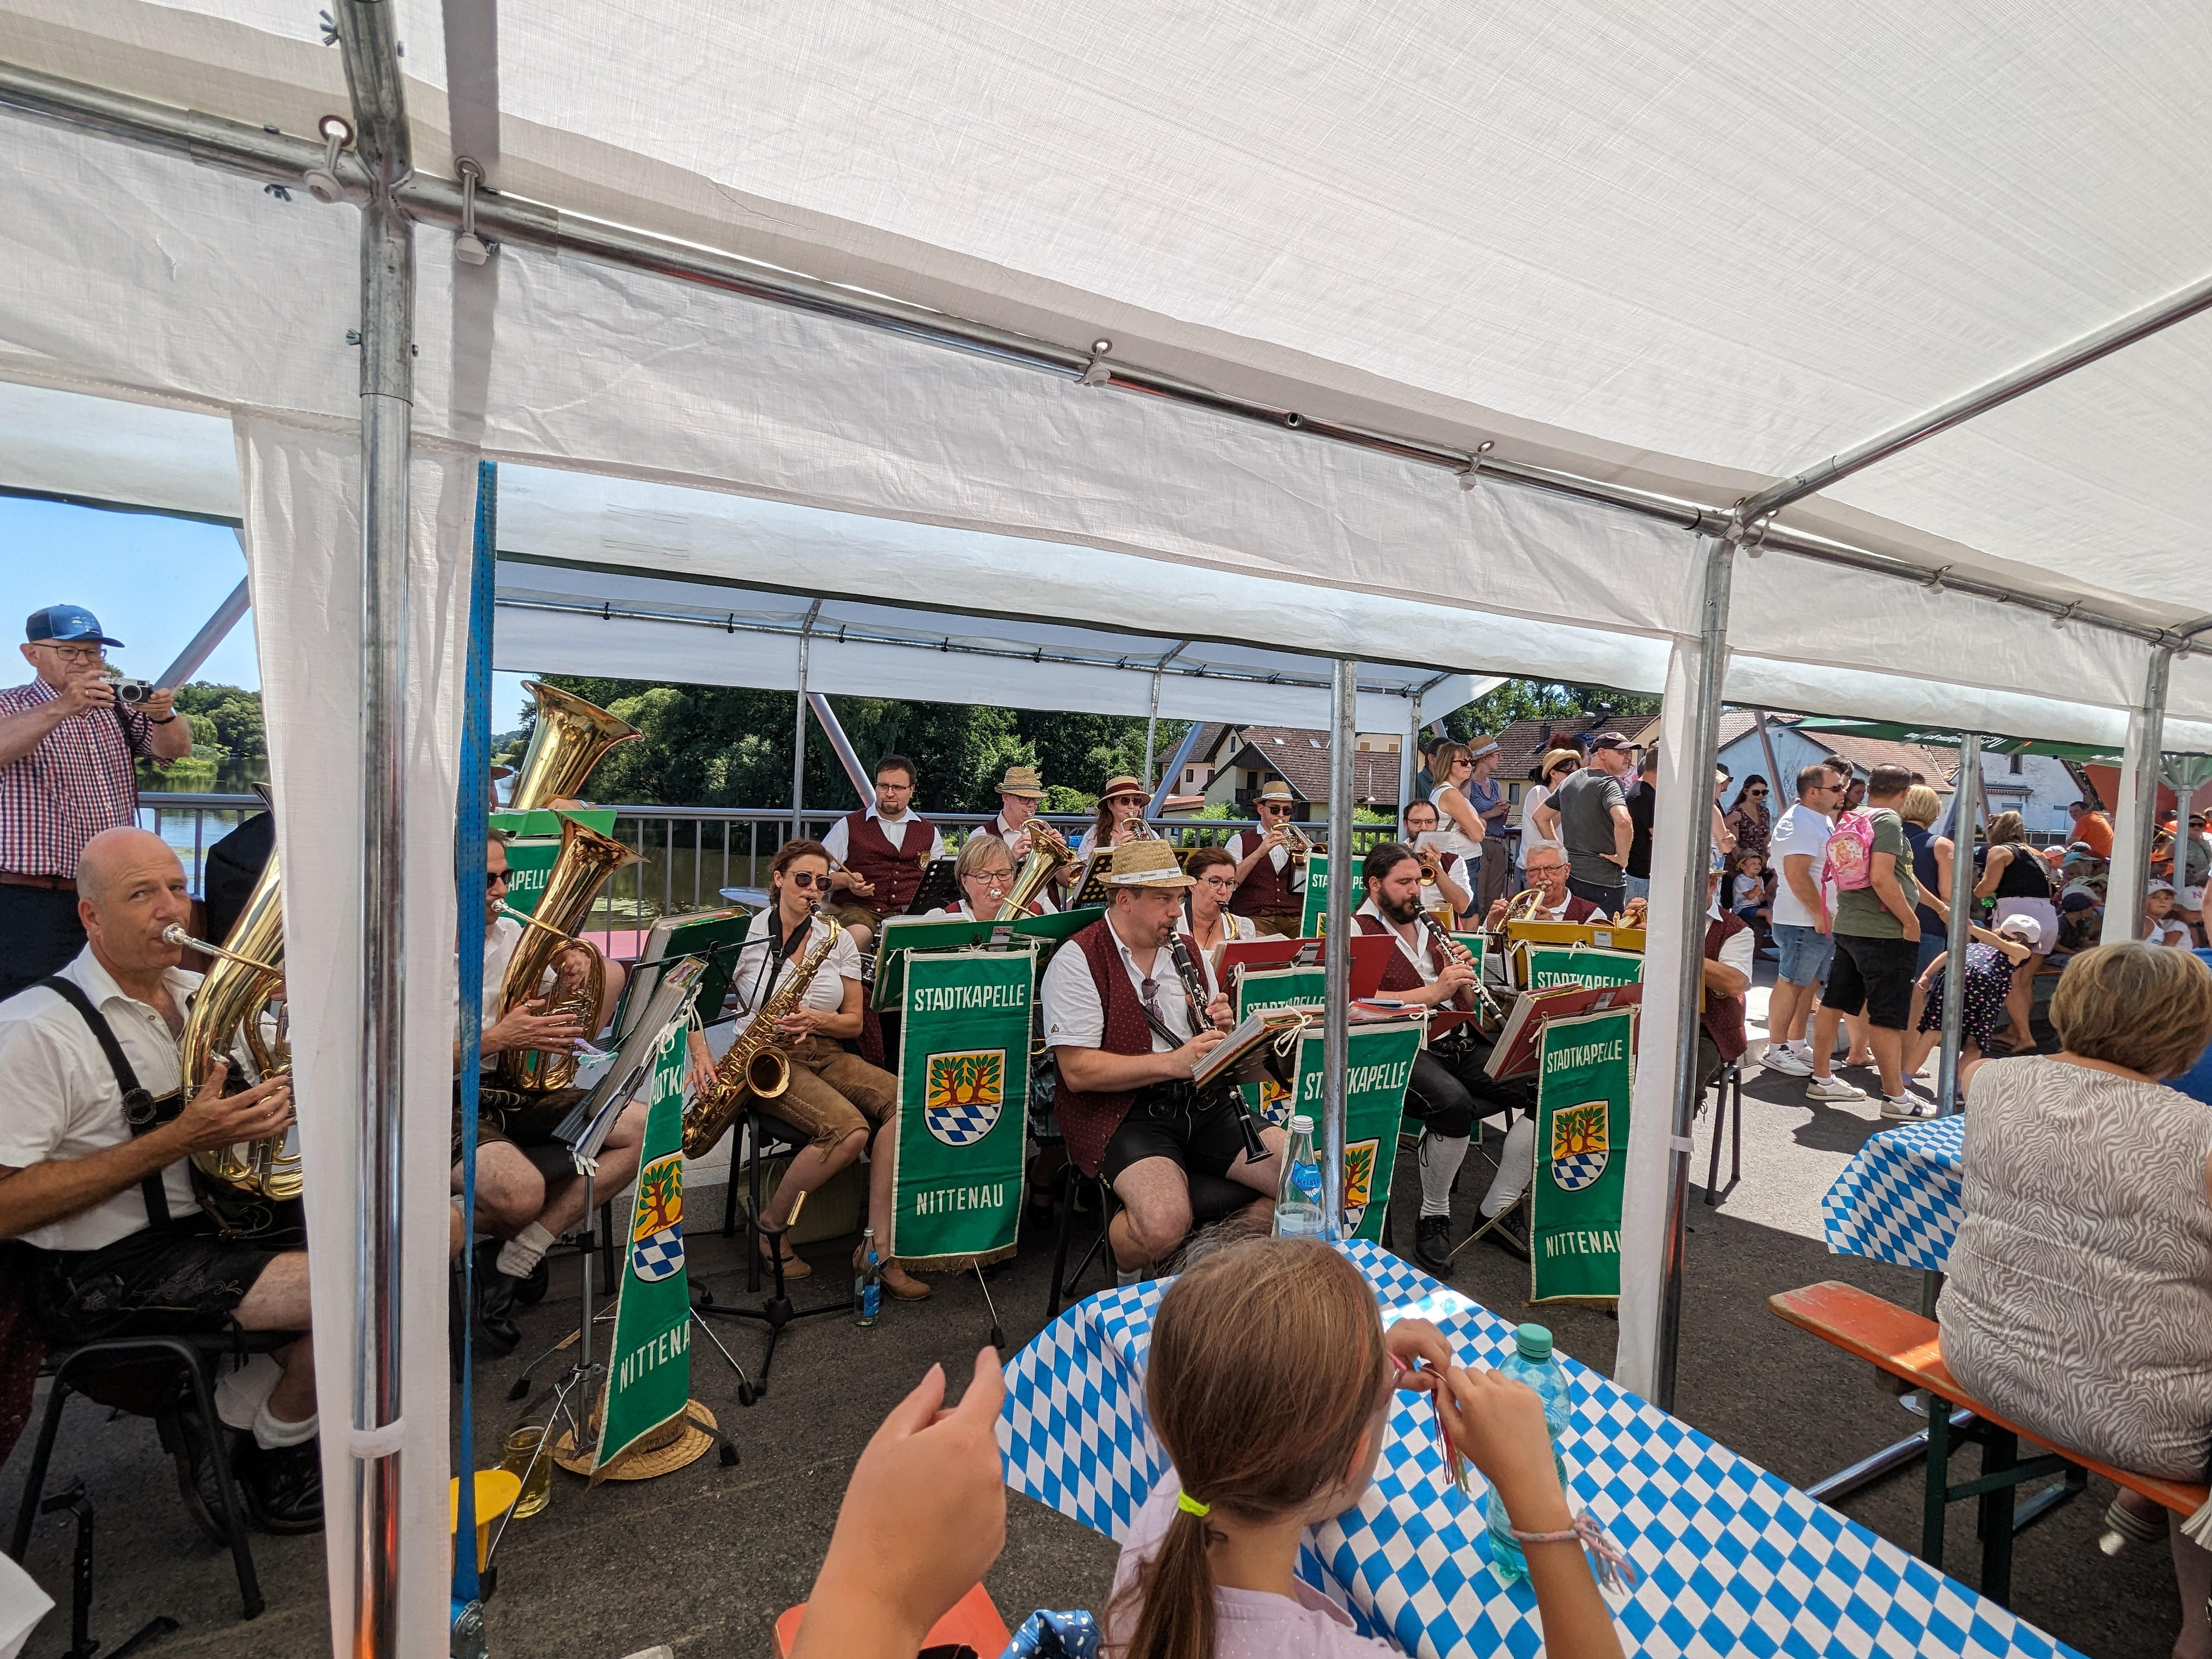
{"points": [[1735, 1561], [1901, 1200]]}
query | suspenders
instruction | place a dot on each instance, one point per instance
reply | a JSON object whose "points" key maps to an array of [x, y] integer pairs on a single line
{"points": [[140, 1110]]}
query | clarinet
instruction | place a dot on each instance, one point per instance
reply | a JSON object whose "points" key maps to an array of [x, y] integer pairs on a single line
{"points": [[1194, 990], [1448, 949]]}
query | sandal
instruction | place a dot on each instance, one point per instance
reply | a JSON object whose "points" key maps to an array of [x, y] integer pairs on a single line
{"points": [[772, 1241]]}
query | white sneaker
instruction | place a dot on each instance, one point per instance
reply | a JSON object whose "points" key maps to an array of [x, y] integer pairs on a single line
{"points": [[1833, 1088], [1779, 1057], [1906, 1107]]}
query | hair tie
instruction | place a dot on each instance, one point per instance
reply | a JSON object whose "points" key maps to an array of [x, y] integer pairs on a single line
{"points": [[1190, 1505]]}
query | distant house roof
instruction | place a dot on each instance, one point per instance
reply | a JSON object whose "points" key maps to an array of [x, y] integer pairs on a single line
{"points": [[1209, 739], [1300, 758], [1522, 744], [1939, 766]]}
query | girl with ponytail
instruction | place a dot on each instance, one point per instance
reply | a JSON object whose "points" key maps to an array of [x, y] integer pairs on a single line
{"points": [[1269, 1384]]}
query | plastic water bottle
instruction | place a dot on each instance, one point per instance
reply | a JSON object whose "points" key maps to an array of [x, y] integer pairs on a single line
{"points": [[867, 1282], [1532, 1362], [1297, 1198]]}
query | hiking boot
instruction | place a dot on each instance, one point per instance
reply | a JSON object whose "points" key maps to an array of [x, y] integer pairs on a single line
{"points": [[1432, 1242], [283, 1485]]}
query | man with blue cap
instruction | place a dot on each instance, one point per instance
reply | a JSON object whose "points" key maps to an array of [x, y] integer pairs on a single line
{"points": [[69, 752]]}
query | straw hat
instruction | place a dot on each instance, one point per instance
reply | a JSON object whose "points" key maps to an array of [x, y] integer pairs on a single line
{"points": [[1124, 785], [1569, 757], [1481, 746], [1022, 781], [675, 1444], [1147, 863], [1276, 789]]}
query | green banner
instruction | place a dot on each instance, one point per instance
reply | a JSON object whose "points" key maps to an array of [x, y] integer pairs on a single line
{"points": [[903, 935], [543, 822], [1477, 948], [1315, 921], [964, 1107], [1379, 1065], [1555, 964], [649, 1367], [1583, 1071], [1263, 990], [528, 864]]}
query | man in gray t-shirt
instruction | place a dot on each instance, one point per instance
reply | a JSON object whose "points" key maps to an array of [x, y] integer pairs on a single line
{"points": [[1590, 813]]}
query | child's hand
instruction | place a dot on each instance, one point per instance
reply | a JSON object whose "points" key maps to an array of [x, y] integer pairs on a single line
{"points": [[1416, 1342], [1498, 1424]]}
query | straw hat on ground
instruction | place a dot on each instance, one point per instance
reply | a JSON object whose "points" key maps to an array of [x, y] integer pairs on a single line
{"points": [[675, 1444]]}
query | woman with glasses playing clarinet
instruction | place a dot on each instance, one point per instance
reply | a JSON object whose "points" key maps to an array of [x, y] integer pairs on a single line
{"points": [[835, 1097]]}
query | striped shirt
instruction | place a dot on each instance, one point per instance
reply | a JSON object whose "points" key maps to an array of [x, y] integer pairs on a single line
{"points": [[78, 781]]}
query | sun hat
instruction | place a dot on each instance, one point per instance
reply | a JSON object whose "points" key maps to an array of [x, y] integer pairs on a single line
{"points": [[683, 1439], [1559, 757], [1147, 863], [1276, 789], [1022, 781], [1123, 784]]}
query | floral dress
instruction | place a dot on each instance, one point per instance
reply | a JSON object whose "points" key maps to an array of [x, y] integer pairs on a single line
{"points": [[1989, 977]]}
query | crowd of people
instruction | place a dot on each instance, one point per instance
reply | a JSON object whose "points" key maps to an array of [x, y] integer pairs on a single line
{"points": [[2098, 1334]]}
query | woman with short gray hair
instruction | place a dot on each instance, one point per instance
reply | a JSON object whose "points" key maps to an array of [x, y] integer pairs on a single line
{"points": [[2079, 1302]]}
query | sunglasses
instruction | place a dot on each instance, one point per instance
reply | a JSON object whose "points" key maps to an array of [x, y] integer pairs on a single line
{"points": [[805, 879], [496, 877], [1756, 795]]}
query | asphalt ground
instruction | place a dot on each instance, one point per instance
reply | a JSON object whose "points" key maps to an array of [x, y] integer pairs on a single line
{"points": [[704, 1558]]}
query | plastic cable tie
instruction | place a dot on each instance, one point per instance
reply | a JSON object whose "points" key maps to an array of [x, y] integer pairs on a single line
{"points": [[1683, 1144], [380, 1442]]}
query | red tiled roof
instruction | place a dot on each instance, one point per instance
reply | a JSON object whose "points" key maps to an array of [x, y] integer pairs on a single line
{"points": [[1300, 758]]}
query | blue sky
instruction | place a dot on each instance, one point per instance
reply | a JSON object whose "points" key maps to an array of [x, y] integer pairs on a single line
{"points": [[151, 580]]}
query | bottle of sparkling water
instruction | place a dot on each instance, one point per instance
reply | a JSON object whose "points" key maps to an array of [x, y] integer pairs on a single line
{"points": [[1532, 1362], [867, 1282], [1297, 1198]]}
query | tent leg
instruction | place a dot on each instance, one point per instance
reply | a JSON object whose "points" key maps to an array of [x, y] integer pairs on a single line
{"points": [[2138, 804], [1966, 807], [1336, 997], [1701, 725], [799, 735], [215, 630], [842, 746]]}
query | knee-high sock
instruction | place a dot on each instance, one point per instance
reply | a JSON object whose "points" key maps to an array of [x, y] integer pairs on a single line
{"points": [[1513, 1167], [1440, 1157]]}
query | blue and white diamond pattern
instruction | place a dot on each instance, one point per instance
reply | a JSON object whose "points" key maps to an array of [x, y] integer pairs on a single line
{"points": [[1735, 1561], [659, 1256], [961, 1125], [1901, 1199], [1571, 1175]]}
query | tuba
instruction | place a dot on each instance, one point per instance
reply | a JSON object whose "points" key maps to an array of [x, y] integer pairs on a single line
{"points": [[586, 860], [1049, 853], [756, 1064], [225, 1013], [570, 739]]}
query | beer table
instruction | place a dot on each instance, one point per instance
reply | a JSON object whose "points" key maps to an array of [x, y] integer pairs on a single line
{"points": [[1901, 1199], [1734, 1561]]}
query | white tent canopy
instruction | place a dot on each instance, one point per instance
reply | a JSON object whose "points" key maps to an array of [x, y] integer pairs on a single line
{"points": [[1236, 295]]}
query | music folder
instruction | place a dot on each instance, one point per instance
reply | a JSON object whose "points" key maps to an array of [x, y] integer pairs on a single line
{"points": [[1514, 1053], [585, 1130], [1371, 956], [1242, 1056]]}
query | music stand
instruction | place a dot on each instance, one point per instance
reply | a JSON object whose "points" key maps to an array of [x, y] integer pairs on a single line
{"points": [[938, 890]]}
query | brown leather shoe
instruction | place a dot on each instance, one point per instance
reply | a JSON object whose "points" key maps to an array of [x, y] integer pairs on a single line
{"points": [[913, 1291]]}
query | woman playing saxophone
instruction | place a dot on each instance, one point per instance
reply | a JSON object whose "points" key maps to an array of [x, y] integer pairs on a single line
{"points": [[832, 1095]]}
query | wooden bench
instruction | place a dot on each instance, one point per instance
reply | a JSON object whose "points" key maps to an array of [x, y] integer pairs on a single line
{"points": [[1904, 1345]]}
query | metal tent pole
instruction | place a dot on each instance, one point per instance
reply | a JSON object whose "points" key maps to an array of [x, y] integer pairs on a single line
{"points": [[1409, 763], [1965, 808], [248, 149], [387, 321], [2129, 871], [1336, 985], [212, 634], [1701, 729], [842, 746], [1774, 766], [798, 734]]}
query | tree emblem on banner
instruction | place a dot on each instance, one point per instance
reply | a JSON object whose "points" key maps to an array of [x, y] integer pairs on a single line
{"points": [[1579, 1146], [964, 1093], [1358, 1179], [656, 1233]]}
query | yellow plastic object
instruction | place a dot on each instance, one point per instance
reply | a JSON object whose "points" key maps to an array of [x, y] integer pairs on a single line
{"points": [[496, 1490]]}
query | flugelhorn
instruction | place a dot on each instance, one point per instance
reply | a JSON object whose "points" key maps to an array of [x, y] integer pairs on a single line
{"points": [[568, 742], [228, 1010], [1049, 853]]}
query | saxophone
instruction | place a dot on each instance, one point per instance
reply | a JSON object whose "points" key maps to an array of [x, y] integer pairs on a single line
{"points": [[757, 1064]]}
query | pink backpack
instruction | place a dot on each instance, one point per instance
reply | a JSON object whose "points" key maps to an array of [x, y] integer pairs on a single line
{"points": [[1849, 864]]}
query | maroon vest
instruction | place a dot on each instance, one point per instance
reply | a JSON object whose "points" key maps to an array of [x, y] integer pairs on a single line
{"points": [[1723, 1016], [1398, 974], [1089, 1121], [1266, 889], [894, 873]]}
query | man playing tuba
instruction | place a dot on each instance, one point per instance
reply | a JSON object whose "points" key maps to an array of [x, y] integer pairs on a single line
{"points": [[113, 1239]]}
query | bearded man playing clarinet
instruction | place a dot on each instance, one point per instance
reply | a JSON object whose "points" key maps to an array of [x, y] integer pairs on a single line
{"points": [[1127, 1029]]}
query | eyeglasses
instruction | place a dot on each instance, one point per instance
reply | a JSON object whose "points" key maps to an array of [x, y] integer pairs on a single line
{"points": [[997, 878], [1223, 883], [79, 653], [804, 879]]}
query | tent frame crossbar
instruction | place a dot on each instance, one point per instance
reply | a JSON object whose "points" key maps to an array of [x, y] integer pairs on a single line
{"points": [[279, 158], [844, 633]]}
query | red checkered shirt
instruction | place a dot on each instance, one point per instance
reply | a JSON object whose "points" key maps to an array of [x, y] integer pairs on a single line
{"points": [[78, 781]]}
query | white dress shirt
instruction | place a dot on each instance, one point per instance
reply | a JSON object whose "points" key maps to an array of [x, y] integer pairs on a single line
{"points": [[61, 1101], [1422, 956], [1074, 1018], [751, 984]]}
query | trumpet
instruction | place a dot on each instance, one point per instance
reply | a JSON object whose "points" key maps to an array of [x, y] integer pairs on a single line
{"points": [[1432, 866], [1296, 844]]}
